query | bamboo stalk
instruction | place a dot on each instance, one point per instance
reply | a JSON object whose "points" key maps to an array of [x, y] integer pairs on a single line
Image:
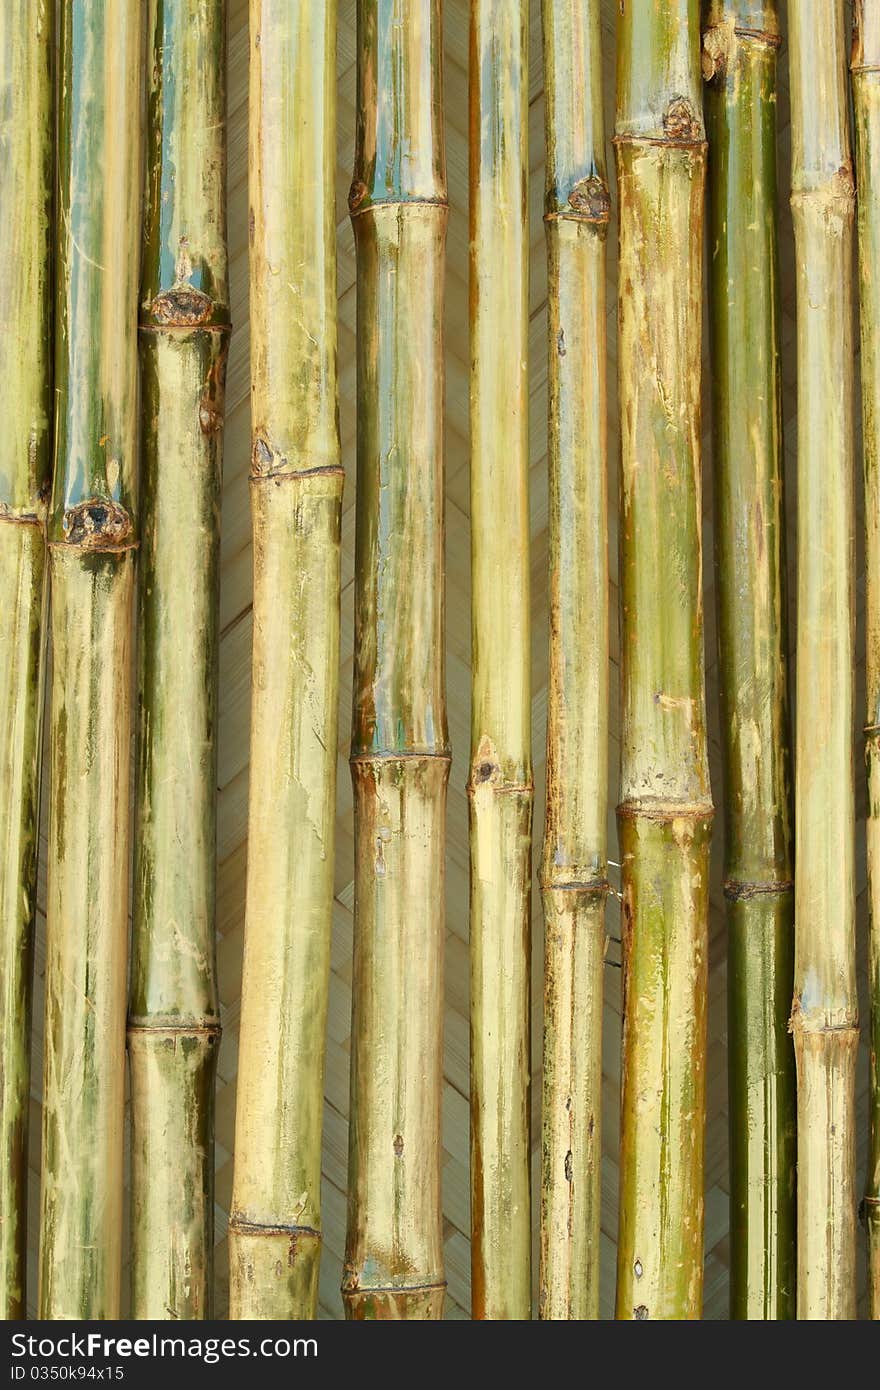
{"points": [[500, 784], [92, 539], [399, 748], [174, 1020], [574, 865], [666, 809], [296, 499], [740, 44], [825, 1011], [866, 103], [26, 184]]}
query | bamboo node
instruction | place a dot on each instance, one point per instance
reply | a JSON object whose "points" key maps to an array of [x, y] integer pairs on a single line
{"points": [[590, 198], [719, 42], [681, 123], [356, 195], [96, 524], [181, 307]]}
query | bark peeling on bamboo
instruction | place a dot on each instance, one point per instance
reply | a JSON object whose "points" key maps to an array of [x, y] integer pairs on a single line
{"points": [[666, 808], [399, 748], [174, 1017], [574, 864], [92, 532], [26, 184], [500, 787], [866, 102], [740, 45], [296, 483]]}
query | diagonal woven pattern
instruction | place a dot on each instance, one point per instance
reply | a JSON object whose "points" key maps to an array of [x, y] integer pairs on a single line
{"points": [[235, 675]]}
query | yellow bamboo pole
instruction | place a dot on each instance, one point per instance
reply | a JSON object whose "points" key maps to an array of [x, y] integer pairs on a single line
{"points": [[500, 783], [574, 865], [399, 748], [665, 813], [296, 500], [866, 101], [825, 1010]]}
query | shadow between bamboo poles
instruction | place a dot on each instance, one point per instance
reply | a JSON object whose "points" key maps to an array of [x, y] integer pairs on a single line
{"points": [[174, 1018], [399, 747], [26, 196], [666, 808], [866, 102], [92, 535], [296, 500], [740, 44], [500, 786], [825, 1010], [574, 865]]}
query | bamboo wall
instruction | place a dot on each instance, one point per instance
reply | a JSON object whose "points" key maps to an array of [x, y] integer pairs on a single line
{"points": [[235, 677]]}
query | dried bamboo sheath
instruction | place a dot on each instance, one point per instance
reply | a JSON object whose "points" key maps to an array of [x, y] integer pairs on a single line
{"points": [[174, 1022], [866, 102], [92, 535], [296, 499], [825, 1011], [26, 183], [740, 44], [666, 808], [400, 747], [574, 866]]}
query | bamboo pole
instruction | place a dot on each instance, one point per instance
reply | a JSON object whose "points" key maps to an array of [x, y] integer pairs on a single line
{"points": [[500, 783], [866, 103], [399, 748], [666, 808], [296, 499], [740, 44], [92, 539], [26, 184], [574, 865], [825, 1010], [174, 1019]]}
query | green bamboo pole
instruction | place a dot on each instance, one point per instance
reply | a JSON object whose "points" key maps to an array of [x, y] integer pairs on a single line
{"points": [[399, 748], [740, 44], [296, 500], [26, 183], [92, 539], [574, 865], [666, 807], [825, 1010], [174, 1020], [866, 103], [500, 786]]}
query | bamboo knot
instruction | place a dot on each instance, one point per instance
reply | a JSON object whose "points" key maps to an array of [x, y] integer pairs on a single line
{"points": [[97, 524], [681, 123], [183, 306], [590, 199]]}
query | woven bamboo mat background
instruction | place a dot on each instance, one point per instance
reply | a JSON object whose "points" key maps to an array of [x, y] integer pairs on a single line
{"points": [[235, 672]]}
